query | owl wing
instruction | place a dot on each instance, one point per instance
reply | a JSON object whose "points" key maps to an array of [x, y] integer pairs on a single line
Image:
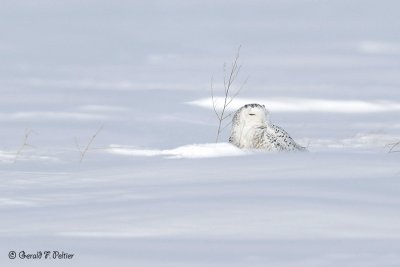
{"points": [[281, 139]]}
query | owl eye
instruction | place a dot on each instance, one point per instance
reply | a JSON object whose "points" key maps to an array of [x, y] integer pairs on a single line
{"points": [[252, 114]]}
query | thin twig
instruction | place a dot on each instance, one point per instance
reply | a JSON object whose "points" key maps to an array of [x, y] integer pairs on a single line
{"points": [[25, 144], [229, 123], [393, 146], [213, 99], [229, 94], [88, 146]]}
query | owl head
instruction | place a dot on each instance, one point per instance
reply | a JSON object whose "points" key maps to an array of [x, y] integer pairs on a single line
{"points": [[251, 115], [248, 117]]}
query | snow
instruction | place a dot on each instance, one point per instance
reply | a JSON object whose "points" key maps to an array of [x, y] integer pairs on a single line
{"points": [[373, 47], [153, 188], [306, 105], [188, 151]]}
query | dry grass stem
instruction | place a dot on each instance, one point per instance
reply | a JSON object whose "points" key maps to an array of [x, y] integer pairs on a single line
{"points": [[393, 147], [83, 151], [229, 93], [25, 144]]}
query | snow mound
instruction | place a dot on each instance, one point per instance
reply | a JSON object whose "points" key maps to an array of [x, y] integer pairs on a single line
{"points": [[306, 105], [187, 151], [11, 156], [379, 141], [6, 157], [377, 47], [50, 116]]}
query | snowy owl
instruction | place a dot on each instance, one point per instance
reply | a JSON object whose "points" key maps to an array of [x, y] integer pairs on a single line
{"points": [[251, 129]]}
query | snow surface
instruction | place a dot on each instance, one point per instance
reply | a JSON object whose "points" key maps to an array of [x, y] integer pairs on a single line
{"points": [[188, 151], [306, 105], [153, 189]]}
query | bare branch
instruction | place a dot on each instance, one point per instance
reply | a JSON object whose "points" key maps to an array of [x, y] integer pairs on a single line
{"points": [[25, 144], [224, 69], [241, 87], [229, 93], [88, 146], [227, 116], [238, 91], [393, 146], [213, 99], [223, 128]]}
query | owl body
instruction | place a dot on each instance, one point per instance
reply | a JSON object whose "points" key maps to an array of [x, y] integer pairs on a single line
{"points": [[251, 129]]}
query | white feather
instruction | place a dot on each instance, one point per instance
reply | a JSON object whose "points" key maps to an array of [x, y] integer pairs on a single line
{"points": [[251, 129]]}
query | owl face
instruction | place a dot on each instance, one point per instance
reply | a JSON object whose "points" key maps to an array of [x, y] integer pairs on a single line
{"points": [[253, 114]]}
